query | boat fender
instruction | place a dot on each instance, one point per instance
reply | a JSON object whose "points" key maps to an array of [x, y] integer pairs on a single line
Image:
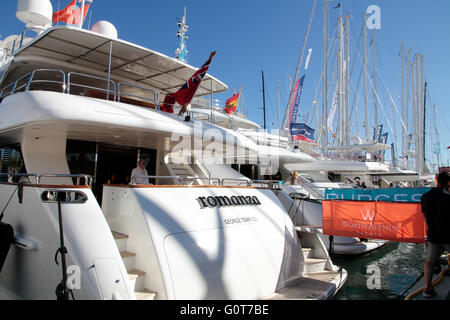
{"points": [[20, 192], [6, 239], [331, 240]]}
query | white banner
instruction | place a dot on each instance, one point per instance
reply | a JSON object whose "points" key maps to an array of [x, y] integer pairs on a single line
{"points": [[332, 111]]}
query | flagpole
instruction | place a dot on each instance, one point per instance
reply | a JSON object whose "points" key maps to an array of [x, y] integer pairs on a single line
{"points": [[82, 15], [241, 109]]}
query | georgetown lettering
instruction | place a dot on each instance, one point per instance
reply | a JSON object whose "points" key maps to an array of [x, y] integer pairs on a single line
{"points": [[223, 201]]}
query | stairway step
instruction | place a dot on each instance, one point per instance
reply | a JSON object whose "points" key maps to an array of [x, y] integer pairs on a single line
{"points": [[315, 265], [315, 260], [135, 273], [128, 259], [137, 280], [121, 240], [127, 254], [145, 295], [306, 252], [118, 235]]}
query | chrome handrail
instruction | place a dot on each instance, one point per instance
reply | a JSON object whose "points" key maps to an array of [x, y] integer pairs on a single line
{"points": [[33, 73], [155, 94], [273, 184], [11, 85], [133, 179], [11, 176], [185, 179], [246, 181], [87, 178], [107, 90]]}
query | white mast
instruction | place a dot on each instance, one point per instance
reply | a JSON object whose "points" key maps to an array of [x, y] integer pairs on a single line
{"points": [[422, 98], [408, 84], [366, 105], [375, 106], [416, 112], [83, 2], [347, 81], [299, 64], [340, 84], [181, 52], [325, 79], [278, 106], [402, 57]]}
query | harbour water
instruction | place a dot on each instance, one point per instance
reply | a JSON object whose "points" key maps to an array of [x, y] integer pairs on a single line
{"points": [[384, 274]]}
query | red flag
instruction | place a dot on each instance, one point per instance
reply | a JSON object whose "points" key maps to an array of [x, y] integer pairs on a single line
{"points": [[185, 94], [231, 104], [403, 222], [70, 14]]}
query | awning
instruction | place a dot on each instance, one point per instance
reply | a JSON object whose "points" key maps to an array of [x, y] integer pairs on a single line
{"points": [[71, 46]]}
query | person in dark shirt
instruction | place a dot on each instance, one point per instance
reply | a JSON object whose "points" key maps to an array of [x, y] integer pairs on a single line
{"points": [[436, 209]]}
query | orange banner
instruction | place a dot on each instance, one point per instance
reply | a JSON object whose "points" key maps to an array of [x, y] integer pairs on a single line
{"points": [[402, 222]]}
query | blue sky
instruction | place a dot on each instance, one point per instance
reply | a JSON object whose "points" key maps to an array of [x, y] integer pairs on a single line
{"points": [[250, 36]]}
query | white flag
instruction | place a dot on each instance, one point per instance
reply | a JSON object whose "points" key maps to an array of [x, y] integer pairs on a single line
{"points": [[333, 108]]}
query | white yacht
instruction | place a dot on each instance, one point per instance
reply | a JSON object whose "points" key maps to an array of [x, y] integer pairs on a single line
{"points": [[275, 154], [78, 109]]}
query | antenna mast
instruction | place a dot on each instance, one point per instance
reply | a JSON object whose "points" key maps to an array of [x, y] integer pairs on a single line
{"points": [[181, 52]]}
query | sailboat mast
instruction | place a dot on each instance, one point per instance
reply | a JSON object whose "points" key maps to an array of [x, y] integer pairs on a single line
{"points": [[366, 104], [437, 147], [375, 105], [347, 81], [408, 84], [325, 80], [402, 57], [264, 99], [299, 64], [340, 62], [278, 106]]}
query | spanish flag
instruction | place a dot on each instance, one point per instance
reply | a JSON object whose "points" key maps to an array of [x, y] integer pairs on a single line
{"points": [[231, 104]]}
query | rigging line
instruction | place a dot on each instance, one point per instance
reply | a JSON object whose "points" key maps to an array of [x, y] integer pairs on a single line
{"points": [[356, 94], [330, 50], [395, 106], [441, 119], [2, 214], [378, 99], [381, 105], [271, 106], [356, 49], [352, 69], [300, 61]]}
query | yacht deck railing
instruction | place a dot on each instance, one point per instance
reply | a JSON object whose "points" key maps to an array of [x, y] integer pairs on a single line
{"points": [[76, 83]]}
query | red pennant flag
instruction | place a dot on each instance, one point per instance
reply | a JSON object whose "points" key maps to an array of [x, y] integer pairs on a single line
{"points": [[231, 104], [71, 14], [403, 222], [185, 94]]}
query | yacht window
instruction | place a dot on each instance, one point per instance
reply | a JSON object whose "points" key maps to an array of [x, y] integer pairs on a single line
{"points": [[11, 161], [81, 157]]}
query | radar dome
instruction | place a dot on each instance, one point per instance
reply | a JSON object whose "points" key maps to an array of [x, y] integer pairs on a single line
{"points": [[35, 12], [106, 28]]}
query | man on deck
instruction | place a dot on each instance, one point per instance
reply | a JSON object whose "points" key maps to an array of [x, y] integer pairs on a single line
{"points": [[436, 209]]}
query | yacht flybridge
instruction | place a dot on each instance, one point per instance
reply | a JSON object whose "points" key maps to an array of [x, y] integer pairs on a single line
{"points": [[78, 109]]}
